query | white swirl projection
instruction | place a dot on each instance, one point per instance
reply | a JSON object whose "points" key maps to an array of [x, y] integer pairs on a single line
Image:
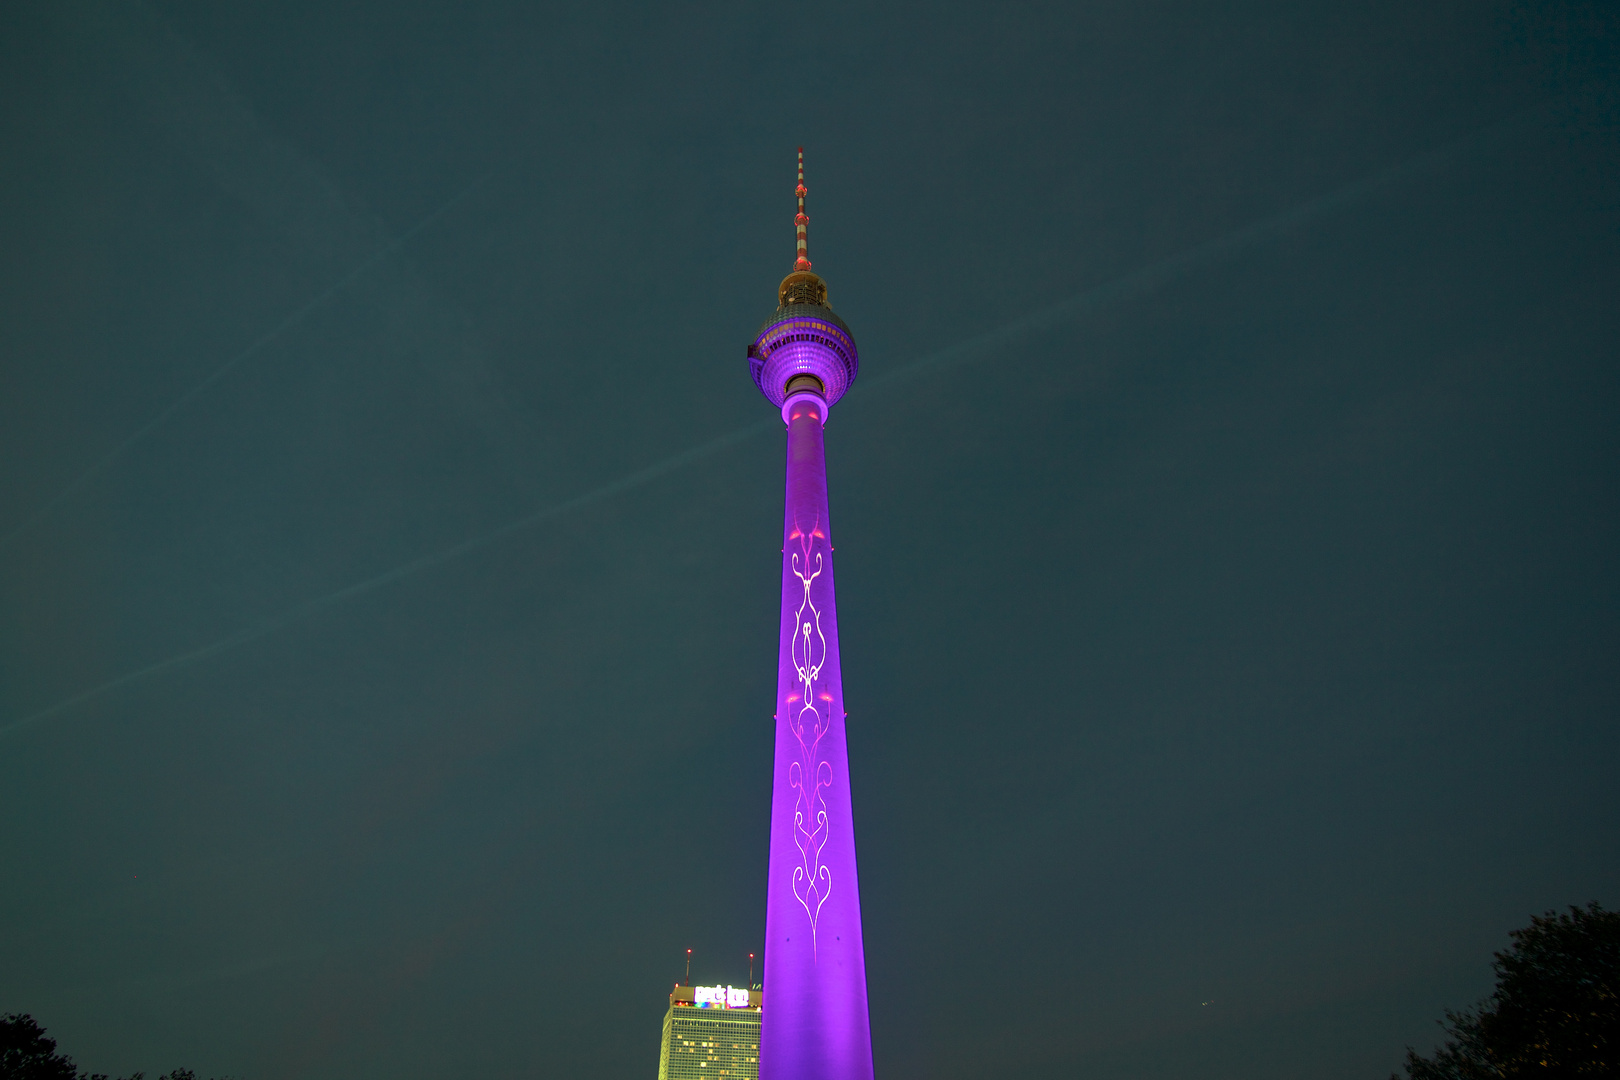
{"points": [[810, 774]]}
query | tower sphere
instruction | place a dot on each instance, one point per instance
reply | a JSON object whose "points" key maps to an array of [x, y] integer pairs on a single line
{"points": [[804, 337]]}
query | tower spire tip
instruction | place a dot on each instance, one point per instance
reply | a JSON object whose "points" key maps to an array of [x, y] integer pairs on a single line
{"points": [[801, 224]]}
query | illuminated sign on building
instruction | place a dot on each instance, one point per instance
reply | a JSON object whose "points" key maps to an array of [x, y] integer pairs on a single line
{"points": [[719, 997]]}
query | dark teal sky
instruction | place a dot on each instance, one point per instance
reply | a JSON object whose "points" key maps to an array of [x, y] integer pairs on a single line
{"points": [[1226, 518]]}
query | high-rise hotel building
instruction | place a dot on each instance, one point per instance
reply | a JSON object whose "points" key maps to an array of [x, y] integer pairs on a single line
{"points": [[710, 1032]]}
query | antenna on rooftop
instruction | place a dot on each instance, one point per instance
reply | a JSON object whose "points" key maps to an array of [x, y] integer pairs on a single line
{"points": [[750, 971], [688, 968]]}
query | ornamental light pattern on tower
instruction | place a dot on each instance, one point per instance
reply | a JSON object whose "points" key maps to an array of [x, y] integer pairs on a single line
{"points": [[814, 1024]]}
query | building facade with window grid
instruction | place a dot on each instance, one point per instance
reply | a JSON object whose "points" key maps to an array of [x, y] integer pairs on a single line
{"points": [[705, 1042]]}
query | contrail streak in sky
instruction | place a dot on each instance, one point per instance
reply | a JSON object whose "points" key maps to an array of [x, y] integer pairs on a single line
{"points": [[320, 603], [224, 369], [1135, 284], [1154, 276]]}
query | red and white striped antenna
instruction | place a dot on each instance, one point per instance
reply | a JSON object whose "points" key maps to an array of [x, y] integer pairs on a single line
{"points": [[802, 223]]}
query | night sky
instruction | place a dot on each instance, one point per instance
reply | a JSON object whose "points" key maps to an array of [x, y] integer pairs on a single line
{"points": [[1227, 516]]}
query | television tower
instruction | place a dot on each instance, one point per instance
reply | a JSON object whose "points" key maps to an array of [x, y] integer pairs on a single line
{"points": [[814, 1023]]}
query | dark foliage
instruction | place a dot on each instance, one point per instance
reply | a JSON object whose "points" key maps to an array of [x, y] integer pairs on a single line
{"points": [[1555, 1012], [27, 1053]]}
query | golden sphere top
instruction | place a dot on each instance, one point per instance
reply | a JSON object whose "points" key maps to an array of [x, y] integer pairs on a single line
{"points": [[801, 287]]}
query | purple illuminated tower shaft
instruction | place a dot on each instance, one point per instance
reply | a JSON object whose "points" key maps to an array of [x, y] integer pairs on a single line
{"points": [[814, 1025], [815, 1022]]}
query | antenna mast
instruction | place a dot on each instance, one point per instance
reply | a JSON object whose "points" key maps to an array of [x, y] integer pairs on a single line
{"points": [[802, 223]]}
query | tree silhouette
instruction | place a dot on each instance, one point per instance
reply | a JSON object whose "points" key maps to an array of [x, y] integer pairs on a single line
{"points": [[1555, 1012], [27, 1053]]}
